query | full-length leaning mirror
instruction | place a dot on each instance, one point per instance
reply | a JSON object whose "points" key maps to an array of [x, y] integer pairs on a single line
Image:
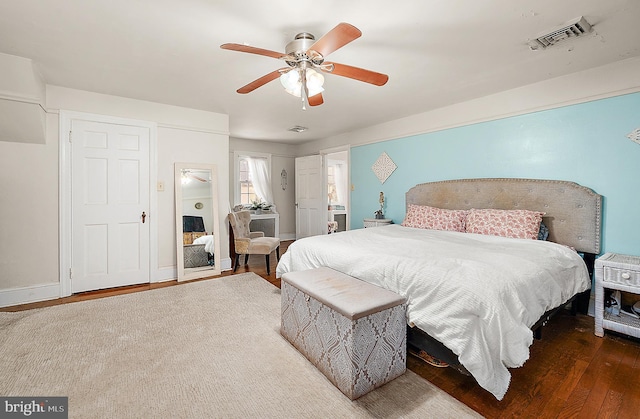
{"points": [[197, 226]]}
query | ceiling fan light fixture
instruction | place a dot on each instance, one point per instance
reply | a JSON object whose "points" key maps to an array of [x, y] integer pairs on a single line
{"points": [[292, 84], [185, 177], [305, 57]]}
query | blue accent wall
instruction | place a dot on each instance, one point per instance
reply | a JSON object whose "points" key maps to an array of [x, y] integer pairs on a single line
{"points": [[585, 143]]}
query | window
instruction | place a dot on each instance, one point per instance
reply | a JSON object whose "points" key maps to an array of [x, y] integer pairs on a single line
{"points": [[245, 190], [247, 193]]}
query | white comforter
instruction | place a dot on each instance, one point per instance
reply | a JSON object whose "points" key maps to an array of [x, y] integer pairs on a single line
{"points": [[478, 295], [208, 243]]}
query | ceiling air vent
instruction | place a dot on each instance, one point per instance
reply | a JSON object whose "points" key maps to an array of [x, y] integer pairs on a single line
{"points": [[572, 29], [298, 128]]}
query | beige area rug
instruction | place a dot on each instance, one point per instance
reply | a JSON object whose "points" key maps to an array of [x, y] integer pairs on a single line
{"points": [[208, 349]]}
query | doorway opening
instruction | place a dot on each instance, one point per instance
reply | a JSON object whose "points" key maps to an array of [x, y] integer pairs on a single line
{"points": [[337, 186]]}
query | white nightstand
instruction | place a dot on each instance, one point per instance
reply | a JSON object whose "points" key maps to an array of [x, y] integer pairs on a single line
{"points": [[616, 272], [376, 222]]}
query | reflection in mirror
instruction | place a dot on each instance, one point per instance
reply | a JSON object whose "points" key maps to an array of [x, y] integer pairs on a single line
{"points": [[197, 226]]}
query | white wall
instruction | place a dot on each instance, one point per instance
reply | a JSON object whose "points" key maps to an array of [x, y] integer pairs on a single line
{"points": [[285, 199], [29, 211], [181, 145], [22, 101], [29, 240]]}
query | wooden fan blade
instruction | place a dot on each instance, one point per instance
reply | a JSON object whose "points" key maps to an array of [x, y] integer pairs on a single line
{"points": [[260, 82], [197, 177], [336, 38], [356, 73], [316, 100], [253, 50]]}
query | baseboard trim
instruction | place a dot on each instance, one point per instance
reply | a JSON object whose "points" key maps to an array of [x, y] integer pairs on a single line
{"points": [[225, 264], [168, 273], [32, 294], [35, 293]]}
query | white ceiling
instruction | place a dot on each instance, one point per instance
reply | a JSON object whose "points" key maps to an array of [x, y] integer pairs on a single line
{"points": [[436, 52]]}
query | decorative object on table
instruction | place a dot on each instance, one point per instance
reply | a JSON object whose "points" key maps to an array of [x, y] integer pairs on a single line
{"points": [[383, 167], [332, 194], [634, 136], [380, 212], [259, 206], [283, 179]]}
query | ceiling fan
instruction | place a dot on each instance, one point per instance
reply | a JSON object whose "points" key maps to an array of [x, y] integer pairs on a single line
{"points": [[304, 57]]}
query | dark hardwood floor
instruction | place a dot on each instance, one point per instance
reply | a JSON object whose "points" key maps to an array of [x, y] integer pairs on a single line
{"points": [[571, 373]]}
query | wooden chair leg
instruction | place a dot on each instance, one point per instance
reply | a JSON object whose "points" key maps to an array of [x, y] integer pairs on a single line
{"points": [[268, 265], [246, 258], [235, 266], [278, 253]]}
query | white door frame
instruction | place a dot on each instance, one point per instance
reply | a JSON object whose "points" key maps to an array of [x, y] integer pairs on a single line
{"points": [[65, 212]]}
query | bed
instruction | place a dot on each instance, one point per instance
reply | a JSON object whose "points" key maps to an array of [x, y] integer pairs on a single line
{"points": [[208, 243], [473, 298]]}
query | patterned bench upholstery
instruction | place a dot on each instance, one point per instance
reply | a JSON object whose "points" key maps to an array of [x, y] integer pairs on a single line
{"points": [[195, 256], [352, 331]]}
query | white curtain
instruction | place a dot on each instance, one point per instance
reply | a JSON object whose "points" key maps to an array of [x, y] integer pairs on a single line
{"points": [[260, 178], [340, 176]]}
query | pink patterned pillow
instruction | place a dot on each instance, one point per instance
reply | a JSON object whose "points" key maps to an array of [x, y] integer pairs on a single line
{"points": [[518, 224], [422, 216]]}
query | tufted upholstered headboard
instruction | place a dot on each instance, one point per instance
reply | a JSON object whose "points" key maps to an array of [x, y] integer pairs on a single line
{"points": [[572, 212]]}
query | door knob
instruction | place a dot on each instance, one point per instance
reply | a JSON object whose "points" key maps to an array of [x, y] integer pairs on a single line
{"points": [[143, 216]]}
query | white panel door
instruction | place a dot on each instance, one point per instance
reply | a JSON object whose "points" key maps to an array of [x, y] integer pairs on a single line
{"points": [[110, 194], [311, 197]]}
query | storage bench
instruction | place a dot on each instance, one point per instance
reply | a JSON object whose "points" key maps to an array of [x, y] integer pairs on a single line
{"points": [[352, 331], [195, 256]]}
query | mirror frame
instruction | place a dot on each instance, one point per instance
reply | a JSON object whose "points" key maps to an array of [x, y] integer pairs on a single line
{"points": [[196, 273]]}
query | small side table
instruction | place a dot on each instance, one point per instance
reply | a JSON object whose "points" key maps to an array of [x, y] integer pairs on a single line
{"points": [[616, 272], [376, 222]]}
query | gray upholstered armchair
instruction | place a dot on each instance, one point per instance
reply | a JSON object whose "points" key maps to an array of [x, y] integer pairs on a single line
{"points": [[248, 243]]}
